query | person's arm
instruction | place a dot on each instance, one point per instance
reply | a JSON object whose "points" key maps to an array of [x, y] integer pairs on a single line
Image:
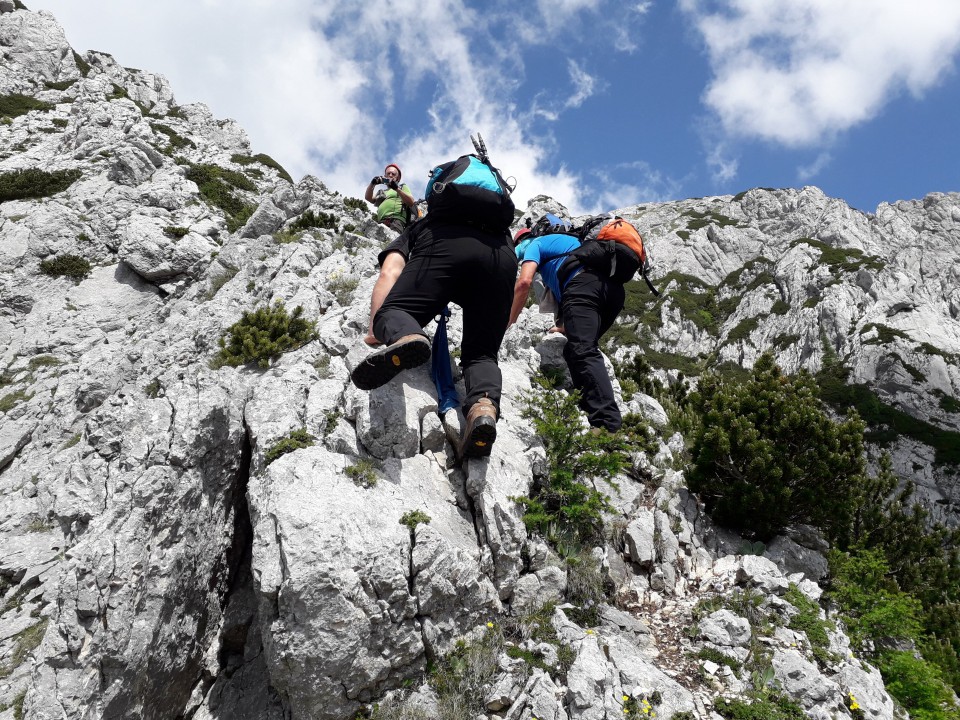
{"points": [[522, 289], [368, 195], [406, 197]]}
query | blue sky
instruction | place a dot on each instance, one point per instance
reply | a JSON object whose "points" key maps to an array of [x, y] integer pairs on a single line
{"points": [[599, 104]]}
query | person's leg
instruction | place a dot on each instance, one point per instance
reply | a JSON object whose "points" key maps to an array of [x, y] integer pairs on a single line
{"points": [[485, 293], [390, 270], [584, 319]]}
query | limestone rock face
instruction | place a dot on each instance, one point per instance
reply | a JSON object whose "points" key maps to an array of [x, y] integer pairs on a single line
{"points": [[183, 538]]}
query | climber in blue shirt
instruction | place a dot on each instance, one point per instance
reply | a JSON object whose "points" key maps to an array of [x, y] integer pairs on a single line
{"points": [[589, 304]]}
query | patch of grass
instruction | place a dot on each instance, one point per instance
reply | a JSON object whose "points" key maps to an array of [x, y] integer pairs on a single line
{"points": [[363, 473], [175, 232], [35, 183], [263, 159], [15, 105], [9, 401], [743, 329], [294, 440], [262, 335], [152, 390], [118, 93], [71, 266], [702, 219], [807, 620], [714, 655], [842, 259], [40, 361], [342, 288], [215, 183], [26, 641], [72, 441], [885, 334], [82, 65], [285, 237], [61, 86], [176, 141]]}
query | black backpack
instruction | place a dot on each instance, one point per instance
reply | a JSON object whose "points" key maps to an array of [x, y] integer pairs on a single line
{"points": [[471, 190]]}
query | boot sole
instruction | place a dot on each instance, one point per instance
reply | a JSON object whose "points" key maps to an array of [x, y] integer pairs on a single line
{"points": [[382, 366], [480, 442]]}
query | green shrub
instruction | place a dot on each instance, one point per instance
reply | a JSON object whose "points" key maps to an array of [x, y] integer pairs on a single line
{"points": [[262, 335], [118, 93], [412, 518], [310, 219], [565, 503], [15, 105], [176, 232], [918, 686], [177, 141], [34, 183], [263, 159], [294, 440], [363, 473], [767, 454], [352, 203], [82, 65], [756, 707], [842, 259], [72, 266], [885, 423], [61, 86], [214, 183], [807, 620]]}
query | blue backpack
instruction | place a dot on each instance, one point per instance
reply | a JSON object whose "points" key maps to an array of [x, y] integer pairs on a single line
{"points": [[470, 190]]}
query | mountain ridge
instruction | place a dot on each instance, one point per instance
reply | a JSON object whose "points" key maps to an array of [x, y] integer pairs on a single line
{"points": [[155, 562]]}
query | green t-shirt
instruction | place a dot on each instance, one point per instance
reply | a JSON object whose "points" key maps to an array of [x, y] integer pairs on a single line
{"points": [[392, 205]]}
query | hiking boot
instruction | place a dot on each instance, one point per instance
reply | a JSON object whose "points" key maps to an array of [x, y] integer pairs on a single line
{"points": [[381, 367], [481, 429]]}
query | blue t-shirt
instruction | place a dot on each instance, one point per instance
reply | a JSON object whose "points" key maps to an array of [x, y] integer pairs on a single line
{"points": [[549, 252]]}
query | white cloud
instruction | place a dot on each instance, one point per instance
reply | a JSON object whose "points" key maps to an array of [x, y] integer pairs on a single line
{"points": [[808, 172], [723, 167], [798, 71], [316, 82]]}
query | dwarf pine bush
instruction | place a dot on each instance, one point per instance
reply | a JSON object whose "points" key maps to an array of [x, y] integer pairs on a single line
{"points": [[215, 183], [565, 504], [262, 335], [766, 454], [294, 440], [35, 183], [71, 266]]}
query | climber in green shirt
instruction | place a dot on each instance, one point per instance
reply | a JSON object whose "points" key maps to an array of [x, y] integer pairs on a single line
{"points": [[394, 201]]}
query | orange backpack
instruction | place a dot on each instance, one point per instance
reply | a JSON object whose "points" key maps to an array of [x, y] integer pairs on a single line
{"points": [[613, 247]]}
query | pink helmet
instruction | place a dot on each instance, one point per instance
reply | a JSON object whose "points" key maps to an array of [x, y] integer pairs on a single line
{"points": [[396, 167]]}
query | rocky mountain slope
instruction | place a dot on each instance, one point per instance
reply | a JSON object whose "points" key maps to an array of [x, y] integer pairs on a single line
{"points": [[156, 561]]}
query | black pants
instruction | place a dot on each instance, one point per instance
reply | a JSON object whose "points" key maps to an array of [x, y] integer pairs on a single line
{"points": [[469, 267], [589, 306]]}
